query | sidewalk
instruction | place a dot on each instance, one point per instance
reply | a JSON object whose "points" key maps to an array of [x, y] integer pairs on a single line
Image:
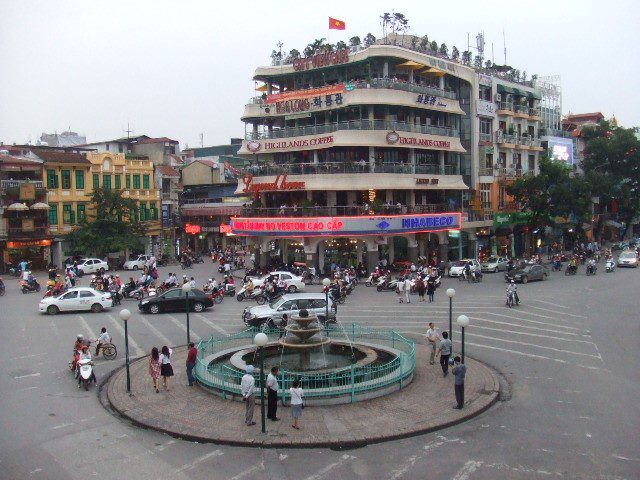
{"points": [[195, 414]]}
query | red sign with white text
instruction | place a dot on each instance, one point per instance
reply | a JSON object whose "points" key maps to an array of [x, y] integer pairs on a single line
{"points": [[310, 93], [192, 229]]}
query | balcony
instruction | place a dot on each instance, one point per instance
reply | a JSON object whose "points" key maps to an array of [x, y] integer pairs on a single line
{"points": [[353, 125], [38, 232], [522, 111], [350, 210], [485, 138], [503, 138], [350, 167], [505, 174], [534, 113], [505, 108], [16, 183]]}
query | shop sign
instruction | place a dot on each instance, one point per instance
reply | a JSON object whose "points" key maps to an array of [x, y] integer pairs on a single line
{"points": [[486, 109], [484, 79], [305, 104], [254, 145], [394, 137], [29, 243], [321, 60], [427, 181], [504, 219], [280, 183], [431, 100], [209, 229], [225, 228], [192, 229], [501, 219], [27, 191], [345, 226], [28, 225], [302, 94]]}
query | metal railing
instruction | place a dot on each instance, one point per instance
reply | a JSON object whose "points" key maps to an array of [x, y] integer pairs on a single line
{"points": [[522, 109], [353, 125], [350, 167], [350, 380], [485, 137], [505, 106], [341, 210], [505, 138], [19, 232], [534, 112], [17, 183]]}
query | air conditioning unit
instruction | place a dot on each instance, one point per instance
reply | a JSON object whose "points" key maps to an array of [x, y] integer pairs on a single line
{"points": [[498, 97]]}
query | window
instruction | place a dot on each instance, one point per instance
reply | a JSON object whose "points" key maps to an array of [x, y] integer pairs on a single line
{"points": [[120, 148], [106, 147], [70, 295], [68, 216], [118, 181], [96, 181], [106, 181], [154, 210], [145, 182], [532, 163], [79, 179], [485, 195], [484, 93], [52, 179], [127, 181], [173, 293], [86, 294], [144, 214], [65, 176], [53, 214], [486, 126], [136, 182], [81, 212]]}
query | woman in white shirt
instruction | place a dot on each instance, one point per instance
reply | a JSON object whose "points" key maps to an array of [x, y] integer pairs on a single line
{"points": [[166, 370], [296, 403]]}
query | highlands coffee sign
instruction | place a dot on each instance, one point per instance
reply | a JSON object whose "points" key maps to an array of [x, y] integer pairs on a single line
{"points": [[345, 226], [321, 60], [279, 184]]}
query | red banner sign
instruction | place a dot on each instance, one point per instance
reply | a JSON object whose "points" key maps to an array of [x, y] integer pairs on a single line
{"points": [[280, 183], [321, 60], [310, 93], [192, 229]]}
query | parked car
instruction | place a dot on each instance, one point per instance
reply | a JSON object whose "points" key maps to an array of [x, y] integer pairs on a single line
{"points": [[74, 299], [495, 264], [91, 265], [294, 283], [527, 273], [628, 258], [138, 263], [457, 268], [174, 301], [271, 314]]}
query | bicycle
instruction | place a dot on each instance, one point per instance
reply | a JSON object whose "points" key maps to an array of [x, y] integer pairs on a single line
{"points": [[109, 351]]}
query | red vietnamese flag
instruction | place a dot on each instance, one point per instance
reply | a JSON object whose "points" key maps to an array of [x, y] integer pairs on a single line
{"points": [[335, 24]]}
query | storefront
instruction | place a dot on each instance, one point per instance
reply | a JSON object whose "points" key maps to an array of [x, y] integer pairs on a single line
{"points": [[38, 252]]}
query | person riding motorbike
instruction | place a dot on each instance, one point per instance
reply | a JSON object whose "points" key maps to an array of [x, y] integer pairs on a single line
{"points": [[591, 265], [77, 348], [85, 354], [512, 289], [249, 287]]}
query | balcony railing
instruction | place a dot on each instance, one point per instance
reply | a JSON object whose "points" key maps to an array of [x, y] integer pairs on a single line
{"points": [[353, 125], [505, 138], [522, 109], [17, 183], [485, 137], [507, 172], [534, 112], [18, 232], [350, 167], [351, 210], [505, 106]]}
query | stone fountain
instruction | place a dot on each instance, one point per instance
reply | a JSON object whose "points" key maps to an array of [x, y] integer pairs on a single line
{"points": [[304, 332]]}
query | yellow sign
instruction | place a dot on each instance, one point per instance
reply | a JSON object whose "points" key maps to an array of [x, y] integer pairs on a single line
{"points": [[27, 191]]}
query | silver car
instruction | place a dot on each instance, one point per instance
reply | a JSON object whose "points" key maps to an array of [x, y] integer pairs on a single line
{"points": [[628, 258], [495, 264], [272, 314]]}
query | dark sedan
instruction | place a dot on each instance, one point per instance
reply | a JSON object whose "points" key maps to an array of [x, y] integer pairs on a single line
{"points": [[174, 301], [526, 274]]}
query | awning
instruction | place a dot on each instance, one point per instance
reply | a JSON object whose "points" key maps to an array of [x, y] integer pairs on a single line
{"points": [[411, 64], [434, 71], [521, 93], [504, 89], [534, 95], [265, 88]]}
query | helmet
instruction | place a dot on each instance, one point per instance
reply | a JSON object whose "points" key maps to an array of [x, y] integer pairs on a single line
{"points": [[80, 336], [210, 280], [513, 281]]}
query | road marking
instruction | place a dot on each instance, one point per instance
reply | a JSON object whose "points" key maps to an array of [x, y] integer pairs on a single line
{"points": [[28, 356], [199, 460], [246, 472], [526, 326], [139, 352], [549, 303], [559, 313], [162, 447], [62, 425], [321, 473], [532, 321], [620, 457], [28, 375], [407, 464], [154, 330], [87, 327], [465, 472], [183, 327], [28, 388], [211, 324]]}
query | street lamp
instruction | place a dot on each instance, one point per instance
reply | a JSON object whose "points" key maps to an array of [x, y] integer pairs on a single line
{"points": [[451, 293], [261, 340], [125, 315], [326, 282], [186, 288], [462, 322]]}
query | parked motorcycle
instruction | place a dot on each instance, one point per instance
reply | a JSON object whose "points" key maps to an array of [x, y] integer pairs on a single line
{"points": [[27, 287], [384, 285], [14, 271]]}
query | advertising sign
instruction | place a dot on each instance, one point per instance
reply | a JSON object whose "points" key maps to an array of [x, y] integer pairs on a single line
{"points": [[346, 226], [561, 149], [308, 93], [27, 191], [486, 109]]}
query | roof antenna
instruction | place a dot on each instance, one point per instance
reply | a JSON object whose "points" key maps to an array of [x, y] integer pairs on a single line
{"points": [[504, 43], [128, 131]]}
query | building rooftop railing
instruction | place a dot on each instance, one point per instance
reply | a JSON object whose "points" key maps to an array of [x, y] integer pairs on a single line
{"points": [[350, 167], [345, 210], [17, 183], [353, 125]]}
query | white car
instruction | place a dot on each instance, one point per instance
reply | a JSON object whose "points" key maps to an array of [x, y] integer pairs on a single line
{"points": [[457, 268], [79, 298], [628, 258], [495, 264], [91, 265], [294, 283], [138, 263]]}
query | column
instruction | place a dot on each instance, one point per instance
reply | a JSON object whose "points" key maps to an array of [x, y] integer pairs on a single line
{"points": [[359, 252], [57, 255], [473, 245], [441, 82], [269, 88], [413, 248], [263, 259], [284, 250], [441, 160], [512, 247], [412, 159], [321, 247], [411, 75], [411, 198], [372, 159], [315, 157], [388, 196], [494, 245], [391, 250], [351, 198], [373, 256], [311, 252], [331, 198], [443, 247], [385, 69]]}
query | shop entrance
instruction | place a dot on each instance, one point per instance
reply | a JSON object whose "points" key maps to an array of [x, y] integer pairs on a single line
{"points": [[342, 252]]}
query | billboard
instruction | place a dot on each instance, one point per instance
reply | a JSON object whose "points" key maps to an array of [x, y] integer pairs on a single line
{"points": [[560, 149]]}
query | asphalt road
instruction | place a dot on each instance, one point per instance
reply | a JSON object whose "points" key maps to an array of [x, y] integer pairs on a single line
{"points": [[569, 353]]}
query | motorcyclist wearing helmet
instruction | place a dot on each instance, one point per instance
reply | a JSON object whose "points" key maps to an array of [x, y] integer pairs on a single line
{"points": [[85, 354], [512, 289]]}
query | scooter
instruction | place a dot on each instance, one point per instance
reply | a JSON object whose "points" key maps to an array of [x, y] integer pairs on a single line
{"points": [[27, 287], [556, 266], [591, 269], [85, 368], [384, 285], [243, 294], [571, 270], [610, 266], [372, 280]]}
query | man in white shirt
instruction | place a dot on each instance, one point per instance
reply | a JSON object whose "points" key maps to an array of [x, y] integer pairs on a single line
{"points": [[407, 288], [248, 389], [272, 394], [103, 338], [432, 339]]}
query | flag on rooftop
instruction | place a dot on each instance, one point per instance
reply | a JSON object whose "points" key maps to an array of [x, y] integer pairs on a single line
{"points": [[335, 24]]}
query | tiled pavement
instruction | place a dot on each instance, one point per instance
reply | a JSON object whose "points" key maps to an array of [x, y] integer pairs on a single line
{"points": [[193, 413]]}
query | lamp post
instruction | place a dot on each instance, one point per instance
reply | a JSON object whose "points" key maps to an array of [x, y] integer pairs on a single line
{"points": [[125, 315], [462, 322], [186, 288], [261, 340], [451, 293], [326, 282]]}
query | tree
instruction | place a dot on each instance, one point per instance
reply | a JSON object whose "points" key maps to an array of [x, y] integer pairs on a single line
{"points": [[424, 42], [400, 24], [487, 64], [354, 41], [293, 54], [314, 47], [466, 58], [385, 21], [434, 46], [341, 45], [112, 227], [414, 42], [369, 40], [444, 50], [276, 56], [524, 76], [455, 54], [477, 61]]}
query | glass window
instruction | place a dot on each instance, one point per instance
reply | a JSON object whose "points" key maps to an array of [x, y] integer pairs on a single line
{"points": [[81, 212], [154, 210], [66, 179], [70, 295], [86, 294], [68, 215], [118, 181], [53, 214], [173, 293], [145, 182], [106, 181], [52, 179], [136, 182], [79, 179], [96, 181], [127, 181], [486, 125]]}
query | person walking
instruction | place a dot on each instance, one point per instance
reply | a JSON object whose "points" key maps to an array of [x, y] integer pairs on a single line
{"points": [[400, 289], [444, 350], [421, 288], [431, 287], [296, 403], [432, 338], [192, 355], [459, 371], [166, 370], [248, 389], [154, 367], [272, 394], [407, 289]]}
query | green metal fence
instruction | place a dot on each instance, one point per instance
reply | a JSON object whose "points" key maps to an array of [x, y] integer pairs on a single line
{"points": [[351, 380]]}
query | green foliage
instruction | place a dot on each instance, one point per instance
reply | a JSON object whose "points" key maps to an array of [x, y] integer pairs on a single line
{"points": [[477, 61], [354, 41], [444, 50], [424, 42], [341, 45], [317, 46], [455, 53], [466, 57], [434, 46], [369, 40]]}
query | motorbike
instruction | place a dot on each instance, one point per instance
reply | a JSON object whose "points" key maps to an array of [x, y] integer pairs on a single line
{"points": [[14, 271], [85, 368], [164, 286], [220, 268], [556, 266], [243, 294], [227, 291], [186, 264], [373, 279], [512, 299], [610, 266], [384, 285], [571, 270], [27, 287], [591, 269], [1, 287], [198, 259]]}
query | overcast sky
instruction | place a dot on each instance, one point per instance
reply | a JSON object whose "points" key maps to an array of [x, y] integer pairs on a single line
{"points": [[181, 68]]}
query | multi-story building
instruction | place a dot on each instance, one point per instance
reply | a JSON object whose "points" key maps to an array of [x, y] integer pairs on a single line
{"points": [[24, 233]]}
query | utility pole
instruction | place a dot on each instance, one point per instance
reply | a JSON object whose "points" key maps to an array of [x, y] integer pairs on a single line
{"points": [[279, 45]]}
